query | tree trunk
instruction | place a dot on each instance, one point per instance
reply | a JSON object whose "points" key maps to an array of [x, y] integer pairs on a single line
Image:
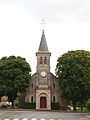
{"points": [[81, 106], [74, 106], [12, 104]]}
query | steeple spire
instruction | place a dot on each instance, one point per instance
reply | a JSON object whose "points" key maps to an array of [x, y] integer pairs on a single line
{"points": [[43, 44]]}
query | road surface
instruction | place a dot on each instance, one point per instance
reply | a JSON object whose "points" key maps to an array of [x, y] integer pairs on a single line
{"points": [[41, 115]]}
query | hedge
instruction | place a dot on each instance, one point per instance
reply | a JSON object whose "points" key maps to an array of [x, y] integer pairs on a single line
{"points": [[29, 105], [55, 106]]}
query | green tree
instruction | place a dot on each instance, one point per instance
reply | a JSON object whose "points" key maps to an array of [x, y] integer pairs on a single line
{"points": [[88, 104], [73, 71], [14, 76]]}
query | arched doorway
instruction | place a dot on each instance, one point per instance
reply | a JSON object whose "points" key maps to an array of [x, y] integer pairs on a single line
{"points": [[43, 102]]}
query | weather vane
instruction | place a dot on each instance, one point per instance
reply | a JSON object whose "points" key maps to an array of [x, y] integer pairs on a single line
{"points": [[43, 23]]}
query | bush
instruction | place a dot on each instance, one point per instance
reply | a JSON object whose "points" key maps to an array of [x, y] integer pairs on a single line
{"points": [[16, 102], [4, 105], [29, 105], [88, 104], [55, 106]]}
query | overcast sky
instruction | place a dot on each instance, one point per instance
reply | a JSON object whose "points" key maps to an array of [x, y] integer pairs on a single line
{"points": [[67, 27]]}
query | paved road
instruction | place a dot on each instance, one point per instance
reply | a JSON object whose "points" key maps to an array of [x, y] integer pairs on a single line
{"points": [[42, 115]]}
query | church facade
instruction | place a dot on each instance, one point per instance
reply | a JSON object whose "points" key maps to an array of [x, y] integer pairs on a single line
{"points": [[44, 86]]}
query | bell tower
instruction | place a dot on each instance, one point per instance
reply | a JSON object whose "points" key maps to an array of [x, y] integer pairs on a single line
{"points": [[43, 92], [43, 57]]}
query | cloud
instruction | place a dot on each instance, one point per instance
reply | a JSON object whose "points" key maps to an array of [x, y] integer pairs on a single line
{"points": [[60, 10], [54, 10]]}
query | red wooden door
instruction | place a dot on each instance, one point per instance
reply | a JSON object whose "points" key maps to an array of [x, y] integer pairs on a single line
{"points": [[43, 102]]}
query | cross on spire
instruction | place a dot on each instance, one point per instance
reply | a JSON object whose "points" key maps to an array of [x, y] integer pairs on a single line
{"points": [[43, 23]]}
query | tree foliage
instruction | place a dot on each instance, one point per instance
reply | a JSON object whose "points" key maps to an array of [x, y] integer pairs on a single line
{"points": [[14, 76], [73, 71], [88, 105]]}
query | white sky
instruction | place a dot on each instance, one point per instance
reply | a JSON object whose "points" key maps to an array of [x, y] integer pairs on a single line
{"points": [[67, 27]]}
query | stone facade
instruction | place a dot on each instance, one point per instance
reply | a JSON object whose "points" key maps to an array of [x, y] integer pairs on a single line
{"points": [[44, 86]]}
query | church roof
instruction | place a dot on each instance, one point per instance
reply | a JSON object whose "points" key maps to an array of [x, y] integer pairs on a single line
{"points": [[43, 44]]}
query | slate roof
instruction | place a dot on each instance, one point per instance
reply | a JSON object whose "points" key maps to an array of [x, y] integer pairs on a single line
{"points": [[43, 44]]}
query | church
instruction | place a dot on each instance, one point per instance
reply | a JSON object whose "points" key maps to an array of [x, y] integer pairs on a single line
{"points": [[44, 86]]}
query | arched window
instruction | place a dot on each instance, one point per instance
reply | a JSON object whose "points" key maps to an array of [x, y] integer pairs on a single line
{"points": [[54, 99], [32, 85], [31, 98], [53, 85], [45, 60], [41, 60]]}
